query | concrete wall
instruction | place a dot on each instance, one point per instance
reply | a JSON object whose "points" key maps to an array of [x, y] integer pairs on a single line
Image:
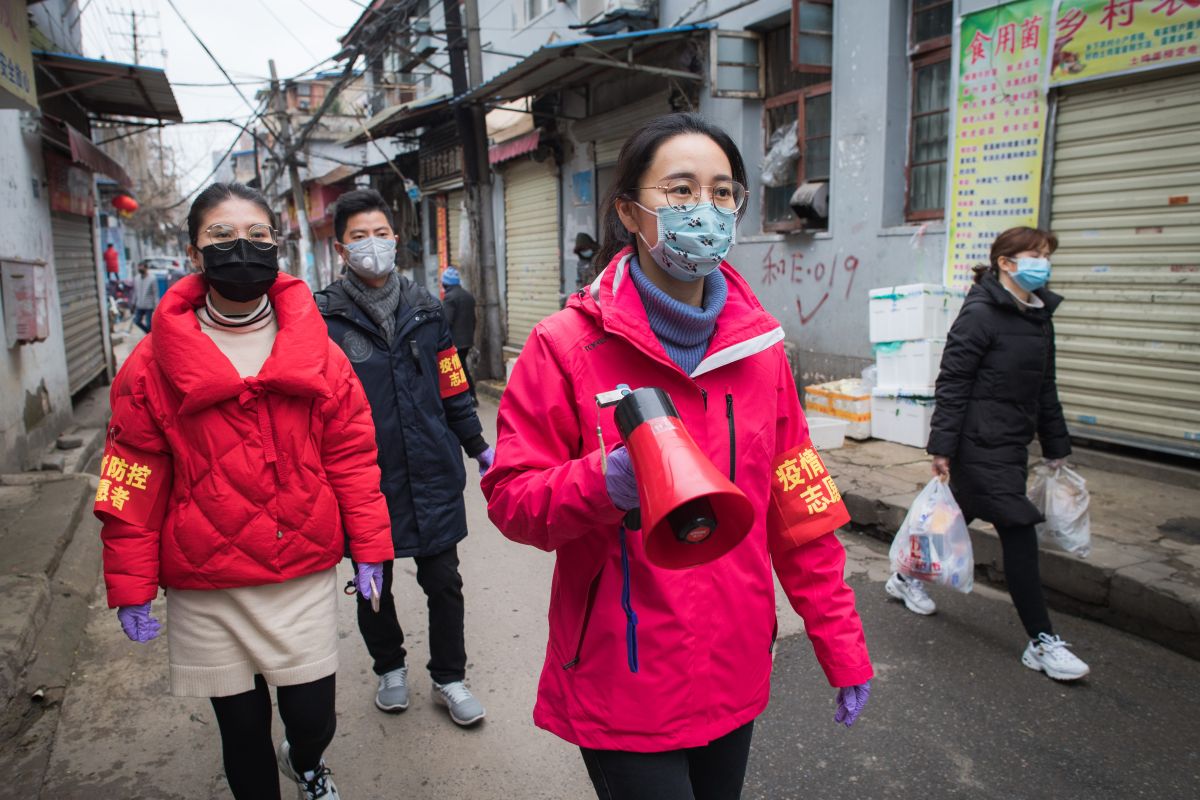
{"points": [[35, 404]]}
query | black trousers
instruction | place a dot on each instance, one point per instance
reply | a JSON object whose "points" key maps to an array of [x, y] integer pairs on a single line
{"points": [[309, 721], [715, 771], [438, 577], [463, 352], [142, 317], [1021, 573]]}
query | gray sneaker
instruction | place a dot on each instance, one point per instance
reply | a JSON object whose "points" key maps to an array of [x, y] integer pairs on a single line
{"points": [[392, 694], [457, 698], [313, 785]]}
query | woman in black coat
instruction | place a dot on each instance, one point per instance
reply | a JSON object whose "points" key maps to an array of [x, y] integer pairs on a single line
{"points": [[995, 391]]}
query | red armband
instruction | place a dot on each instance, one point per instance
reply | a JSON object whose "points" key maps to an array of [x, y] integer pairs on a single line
{"points": [[805, 502], [134, 485], [452, 378]]}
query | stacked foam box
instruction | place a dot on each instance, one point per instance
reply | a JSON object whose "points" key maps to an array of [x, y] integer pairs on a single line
{"points": [[845, 400], [908, 327]]}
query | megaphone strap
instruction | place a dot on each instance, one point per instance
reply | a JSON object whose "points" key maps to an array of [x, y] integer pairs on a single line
{"points": [[631, 620]]}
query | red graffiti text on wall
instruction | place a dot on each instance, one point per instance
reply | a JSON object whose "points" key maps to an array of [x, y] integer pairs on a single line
{"points": [[791, 268]]}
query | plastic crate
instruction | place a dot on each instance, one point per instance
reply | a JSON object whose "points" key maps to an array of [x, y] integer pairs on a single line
{"points": [[846, 400], [908, 365], [914, 311], [901, 417]]}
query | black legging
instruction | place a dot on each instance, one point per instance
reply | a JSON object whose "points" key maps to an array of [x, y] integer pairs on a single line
{"points": [[309, 721], [715, 771], [1020, 546]]}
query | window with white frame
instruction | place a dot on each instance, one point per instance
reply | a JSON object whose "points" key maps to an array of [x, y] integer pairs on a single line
{"points": [[529, 10], [798, 110]]}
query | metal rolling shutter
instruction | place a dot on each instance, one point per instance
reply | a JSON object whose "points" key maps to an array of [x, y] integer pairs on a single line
{"points": [[610, 129], [1126, 208], [76, 272], [532, 257], [454, 215]]}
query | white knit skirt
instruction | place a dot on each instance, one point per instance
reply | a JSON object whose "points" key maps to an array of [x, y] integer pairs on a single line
{"points": [[218, 639]]}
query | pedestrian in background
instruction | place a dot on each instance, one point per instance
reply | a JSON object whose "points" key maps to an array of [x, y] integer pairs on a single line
{"points": [[661, 691], [145, 297], [112, 263], [240, 458], [585, 251], [460, 313], [995, 392], [398, 341]]}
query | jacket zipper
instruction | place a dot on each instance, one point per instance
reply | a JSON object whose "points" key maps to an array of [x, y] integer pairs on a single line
{"points": [[587, 616], [704, 395], [732, 437]]}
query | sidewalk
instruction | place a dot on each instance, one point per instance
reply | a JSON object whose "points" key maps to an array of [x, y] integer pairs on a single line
{"points": [[1143, 574]]}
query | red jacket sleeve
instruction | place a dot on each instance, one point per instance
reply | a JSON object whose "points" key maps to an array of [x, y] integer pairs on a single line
{"points": [[806, 507], [351, 464], [546, 486], [135, 485]]}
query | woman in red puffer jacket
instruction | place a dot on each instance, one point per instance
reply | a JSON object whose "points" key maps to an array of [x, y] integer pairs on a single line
{"points": [[240, 459]]}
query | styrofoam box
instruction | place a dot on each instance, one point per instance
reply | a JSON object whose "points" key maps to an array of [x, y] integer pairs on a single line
{"points": [[827, 433], [914, 311], [846, 400], [902, 417], [908, 364]]}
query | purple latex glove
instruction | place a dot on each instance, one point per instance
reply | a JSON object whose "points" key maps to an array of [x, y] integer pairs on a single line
{"points": [[851, 700], [367, 572], [620, 482], [137, 623], [486, 459]]}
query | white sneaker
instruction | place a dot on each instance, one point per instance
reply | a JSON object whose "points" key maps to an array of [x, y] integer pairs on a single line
{"points": [[1049, 654], [464, 708], [313, 785], [911, 592]]}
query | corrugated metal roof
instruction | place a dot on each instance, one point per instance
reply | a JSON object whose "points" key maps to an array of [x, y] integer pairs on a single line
{"points": [[107, 87], [403, 117], [567, 63]]}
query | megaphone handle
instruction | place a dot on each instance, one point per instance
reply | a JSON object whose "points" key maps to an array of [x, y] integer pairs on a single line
{"points": [[633, 519]]}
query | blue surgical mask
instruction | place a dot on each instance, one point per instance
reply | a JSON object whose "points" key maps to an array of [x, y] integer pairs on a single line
{"points": [[691, 244], [1032, 273], [372, 257]]}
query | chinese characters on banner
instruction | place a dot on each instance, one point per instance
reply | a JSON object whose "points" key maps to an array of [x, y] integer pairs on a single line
{"points": [[999, 130], [1100, 38], [17, 88], [443, 239]]}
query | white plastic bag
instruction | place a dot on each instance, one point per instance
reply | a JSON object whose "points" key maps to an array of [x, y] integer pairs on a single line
{"points": [[779, 165], [933, 544], [1062, 497]]}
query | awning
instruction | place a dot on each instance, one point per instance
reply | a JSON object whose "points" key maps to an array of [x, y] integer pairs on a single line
{"points": [[107, 88], [565, 64], [514, 147], [402, 118], [338, 173], [83, 152]]}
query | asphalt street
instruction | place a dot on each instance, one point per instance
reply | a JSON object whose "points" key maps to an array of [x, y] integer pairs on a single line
{"points": [[953, 713]]}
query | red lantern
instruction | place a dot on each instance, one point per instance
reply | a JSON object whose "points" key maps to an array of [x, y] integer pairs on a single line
{"points": [[124, 202]]}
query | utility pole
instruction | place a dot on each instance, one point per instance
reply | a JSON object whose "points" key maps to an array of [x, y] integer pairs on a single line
{"points": [[477, 171], [285, 123]]}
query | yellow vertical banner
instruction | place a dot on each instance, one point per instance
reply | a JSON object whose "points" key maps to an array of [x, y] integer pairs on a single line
{"points": [[1101, 38], [443, 236], [17, 86], [999, 130]]}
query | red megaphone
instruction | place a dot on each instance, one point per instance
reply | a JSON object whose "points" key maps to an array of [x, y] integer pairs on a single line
{"points": [[690, 512]]}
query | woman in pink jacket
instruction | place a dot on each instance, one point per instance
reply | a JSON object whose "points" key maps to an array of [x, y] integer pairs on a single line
{"points": [[658, 674]]}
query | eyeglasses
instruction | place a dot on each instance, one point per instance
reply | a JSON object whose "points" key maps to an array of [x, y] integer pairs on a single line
{"points": [[224, 236], [684, 194]]}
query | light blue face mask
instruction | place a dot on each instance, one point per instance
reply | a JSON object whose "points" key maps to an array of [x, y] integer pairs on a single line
{"points": [[1032, 273], [691, 244]]}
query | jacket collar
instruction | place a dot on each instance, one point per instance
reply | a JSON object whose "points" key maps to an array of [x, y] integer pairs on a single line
{"points": [[195, 366], [335, 301], [992, 291], [743, 328]]}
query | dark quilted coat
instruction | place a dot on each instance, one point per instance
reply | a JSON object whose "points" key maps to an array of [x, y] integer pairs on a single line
{"points": [[270, 474], [995, 391], [421, 435]]}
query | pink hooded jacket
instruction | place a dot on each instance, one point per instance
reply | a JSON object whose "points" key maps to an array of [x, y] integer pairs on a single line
{"points": [[705, 634]]}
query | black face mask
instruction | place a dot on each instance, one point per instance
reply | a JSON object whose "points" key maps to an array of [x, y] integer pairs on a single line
{"points": [[242, 273]]}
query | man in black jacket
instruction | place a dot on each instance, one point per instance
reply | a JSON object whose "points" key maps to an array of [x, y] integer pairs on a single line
{"points": [[460, 313], [398, 340]]}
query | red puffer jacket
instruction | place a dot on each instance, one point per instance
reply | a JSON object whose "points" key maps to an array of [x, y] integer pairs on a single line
{"points": [[703, 635], [212, 481]]}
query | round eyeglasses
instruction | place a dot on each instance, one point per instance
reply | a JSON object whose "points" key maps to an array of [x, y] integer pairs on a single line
{"points": [[684, 194], [224, 236]]}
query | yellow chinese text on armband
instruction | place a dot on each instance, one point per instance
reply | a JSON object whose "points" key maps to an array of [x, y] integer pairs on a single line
{"points": [[134, 485], [452, 379], [805, 502]]}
